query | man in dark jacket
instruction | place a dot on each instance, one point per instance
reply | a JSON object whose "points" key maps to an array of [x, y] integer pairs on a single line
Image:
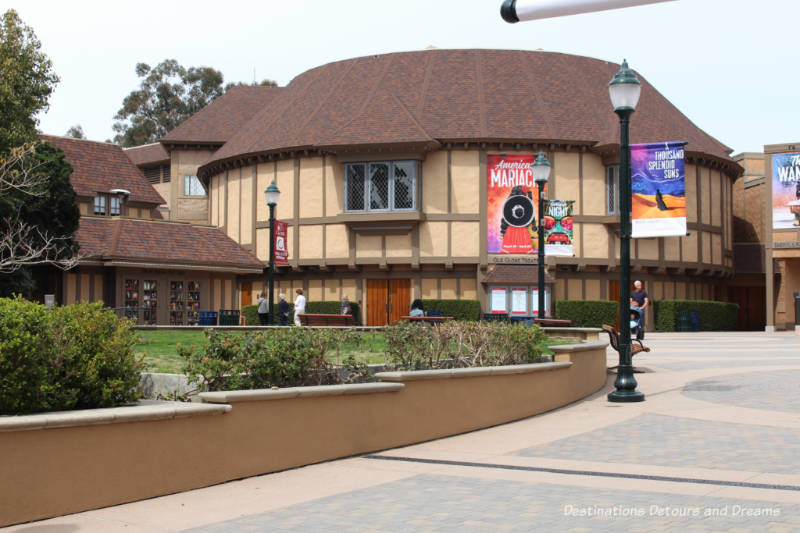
{"points": [[283, 310]]}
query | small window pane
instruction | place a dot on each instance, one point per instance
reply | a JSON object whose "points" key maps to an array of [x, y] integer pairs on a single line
{"points": [[404, 185], [612, 190], [116, 206], [192, 186], [378, 186], [355, 187], [99, 205]]}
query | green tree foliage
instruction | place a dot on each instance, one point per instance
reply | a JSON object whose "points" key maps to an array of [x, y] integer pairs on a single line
{"points": [[168, 94], [76, 132], [38, 214], [38, 224], [262, 83], [26, 81]]}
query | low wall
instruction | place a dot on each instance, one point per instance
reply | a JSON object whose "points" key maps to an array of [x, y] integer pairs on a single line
{"points": [[61, 463], [583, 334]]}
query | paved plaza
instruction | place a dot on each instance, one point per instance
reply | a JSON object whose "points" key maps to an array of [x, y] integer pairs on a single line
{"points": [[715, 447]]}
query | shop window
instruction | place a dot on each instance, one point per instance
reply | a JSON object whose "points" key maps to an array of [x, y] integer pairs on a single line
{"points": [[192, 303], [192, 186], [612, 190], [380, 186], [132, 299], [100, 205], [149, 301], [176, 303]]}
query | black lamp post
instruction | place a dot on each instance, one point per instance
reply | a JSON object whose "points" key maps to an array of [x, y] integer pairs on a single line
{"points": [[541, 171], [624, 90], [272, 194]]}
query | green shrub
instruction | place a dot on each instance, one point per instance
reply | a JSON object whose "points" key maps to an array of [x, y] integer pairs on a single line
{"points": [[281, 357], [712, 316], [74, 357], [453, 344], [465, 310], [250, 312], [588, 313]]}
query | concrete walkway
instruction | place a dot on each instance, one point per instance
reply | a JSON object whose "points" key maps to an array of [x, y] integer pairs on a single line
{"points": [[715, 447]]}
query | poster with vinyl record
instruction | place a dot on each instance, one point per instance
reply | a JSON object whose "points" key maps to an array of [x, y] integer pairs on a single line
{"points": [[513, 204]]}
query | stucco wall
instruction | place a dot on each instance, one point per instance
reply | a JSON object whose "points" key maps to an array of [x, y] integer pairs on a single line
{"points": [[65, 463]]}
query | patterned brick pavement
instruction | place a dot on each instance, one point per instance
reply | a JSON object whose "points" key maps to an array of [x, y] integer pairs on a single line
{"points": [[448, 503]]}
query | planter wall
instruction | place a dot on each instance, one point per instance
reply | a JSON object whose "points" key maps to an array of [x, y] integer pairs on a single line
{"points": [[55, 464]]}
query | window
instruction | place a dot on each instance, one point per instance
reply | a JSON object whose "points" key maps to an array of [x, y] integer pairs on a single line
{"points": [[99, 205], [612, 190], [380, 186], [192, 186], [116, 206], [153, 174]]}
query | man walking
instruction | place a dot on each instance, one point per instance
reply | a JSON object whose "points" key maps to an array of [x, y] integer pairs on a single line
{"points": [[640, 299]]}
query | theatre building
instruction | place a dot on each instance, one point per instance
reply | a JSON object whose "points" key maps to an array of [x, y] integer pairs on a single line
{"points": [[386, 163], [150, 269]]}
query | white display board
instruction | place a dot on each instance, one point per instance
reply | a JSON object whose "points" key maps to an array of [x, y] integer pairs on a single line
{"points": [[519, 301], [499, 300], [535, 301]]}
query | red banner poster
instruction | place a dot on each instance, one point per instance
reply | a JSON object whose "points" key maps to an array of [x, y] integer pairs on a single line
{"points": [[513, 202], [281, 246]]}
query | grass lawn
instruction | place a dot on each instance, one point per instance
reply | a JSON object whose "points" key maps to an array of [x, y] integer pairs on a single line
{"points": [[159, 348]]}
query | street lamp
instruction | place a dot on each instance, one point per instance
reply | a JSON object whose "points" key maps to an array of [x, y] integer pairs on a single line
{"points": [[272, 194], [541, 171], [624, 90]]}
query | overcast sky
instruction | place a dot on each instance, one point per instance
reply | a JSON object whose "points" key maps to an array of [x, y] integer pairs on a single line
{"points": [[730, 65]]}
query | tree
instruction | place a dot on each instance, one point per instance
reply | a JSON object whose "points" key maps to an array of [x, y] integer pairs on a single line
{"points": [[168, 94], [76, 132], [262, 83], [26, 81], [38, 212]]}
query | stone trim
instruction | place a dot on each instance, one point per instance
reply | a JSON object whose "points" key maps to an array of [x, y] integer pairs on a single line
{"points": [[143, 412], [226, 397], [448, 373]]}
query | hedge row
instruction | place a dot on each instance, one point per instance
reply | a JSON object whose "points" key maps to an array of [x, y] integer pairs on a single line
{"points": [[465, 310], [713, 316], [588, 313], [250, 312], [79, 356]]}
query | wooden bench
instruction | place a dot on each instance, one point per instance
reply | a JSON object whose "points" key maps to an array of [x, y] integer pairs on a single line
{"points": [[613, 336], [428, 319], [313, 319], [554, 322]]}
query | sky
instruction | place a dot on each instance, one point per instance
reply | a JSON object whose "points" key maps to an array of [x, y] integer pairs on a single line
{"points": [[731, 66]]}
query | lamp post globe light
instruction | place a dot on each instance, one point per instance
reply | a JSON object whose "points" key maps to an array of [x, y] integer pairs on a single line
{"points": [[272, 194], [518, 10], [624, 90], [541, 171]]}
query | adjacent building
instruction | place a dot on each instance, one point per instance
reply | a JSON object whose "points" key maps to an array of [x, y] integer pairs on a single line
{"points": [[150, 269]]}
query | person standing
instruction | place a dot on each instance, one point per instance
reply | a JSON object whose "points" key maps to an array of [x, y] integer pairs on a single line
{"points": [[299, 306], [263, 310], [640, 299], [283, 310]]}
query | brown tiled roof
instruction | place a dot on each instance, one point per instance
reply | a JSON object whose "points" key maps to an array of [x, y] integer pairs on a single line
{"points": [[147, 241], [516, 274], [442, 95], [147, 154], [222, 118], [100, 167]]}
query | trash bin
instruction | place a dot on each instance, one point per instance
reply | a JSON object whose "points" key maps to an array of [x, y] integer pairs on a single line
{"points": [[695, 318], [228, 317], [684, 322], [207, 318]]}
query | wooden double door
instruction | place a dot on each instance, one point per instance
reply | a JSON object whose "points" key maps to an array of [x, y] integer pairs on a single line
{"points": [[387, 300]]}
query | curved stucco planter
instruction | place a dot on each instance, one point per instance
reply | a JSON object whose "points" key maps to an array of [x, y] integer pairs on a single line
{"points": [[62, 463]]}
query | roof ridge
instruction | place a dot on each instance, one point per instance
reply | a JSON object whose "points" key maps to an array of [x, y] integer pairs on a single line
{"points": [[410, 115], [482, 112]]}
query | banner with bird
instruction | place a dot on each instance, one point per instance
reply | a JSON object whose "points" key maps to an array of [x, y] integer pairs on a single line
{"points": [[658, 188]]}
